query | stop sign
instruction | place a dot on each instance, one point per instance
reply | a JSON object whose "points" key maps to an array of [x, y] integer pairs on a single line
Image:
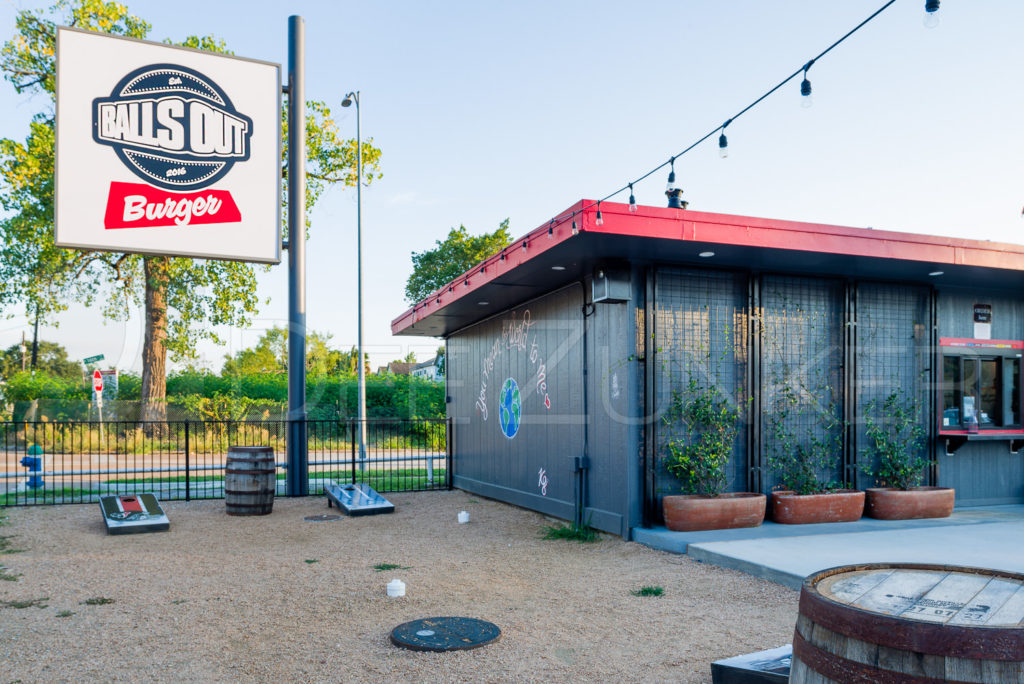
{"points": [[97, 381]]}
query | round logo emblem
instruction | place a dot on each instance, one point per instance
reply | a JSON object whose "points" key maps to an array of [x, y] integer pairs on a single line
{"points": [[172, 127], [509, 408]]}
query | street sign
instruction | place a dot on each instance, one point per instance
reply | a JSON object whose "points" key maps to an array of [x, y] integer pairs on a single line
{"points": [[92, 359], [97, 381]]}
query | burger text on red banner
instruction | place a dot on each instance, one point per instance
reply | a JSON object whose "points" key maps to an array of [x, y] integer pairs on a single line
{"points": [[135, 205]]}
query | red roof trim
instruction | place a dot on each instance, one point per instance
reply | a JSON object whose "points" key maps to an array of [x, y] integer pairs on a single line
{"points": [[724, 229]]}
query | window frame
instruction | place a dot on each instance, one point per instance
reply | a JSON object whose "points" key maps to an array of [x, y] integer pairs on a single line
{"points": [[1006, 353]]}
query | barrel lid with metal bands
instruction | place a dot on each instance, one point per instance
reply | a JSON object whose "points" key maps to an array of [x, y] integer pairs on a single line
{"points": [[932, 609]]}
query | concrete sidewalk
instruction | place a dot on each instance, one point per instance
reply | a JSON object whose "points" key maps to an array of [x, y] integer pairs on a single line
{"points": [[990, 537]]}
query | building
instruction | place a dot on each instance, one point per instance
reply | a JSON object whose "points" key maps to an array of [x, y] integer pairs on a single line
{"points": [[396, 368], [565, 351], [429, 370]]}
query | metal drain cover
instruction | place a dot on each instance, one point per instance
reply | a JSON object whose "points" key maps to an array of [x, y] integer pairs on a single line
{"points": [[322, 518], [444, 634]]}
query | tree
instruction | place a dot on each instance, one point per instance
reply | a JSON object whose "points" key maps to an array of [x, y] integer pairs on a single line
{"points": [[270, 356], [410, 357], [184, 298], [452, 257], [52, 359]]}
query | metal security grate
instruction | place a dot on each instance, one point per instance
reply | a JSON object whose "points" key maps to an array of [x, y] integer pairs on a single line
{"points": [[892, 353], [802, 367], [701, 321]]}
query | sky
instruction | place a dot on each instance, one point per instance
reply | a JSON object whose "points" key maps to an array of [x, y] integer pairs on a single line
{"points": [[485, 111]]}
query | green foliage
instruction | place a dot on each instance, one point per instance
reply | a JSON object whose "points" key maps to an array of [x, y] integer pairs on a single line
{"points": [[270, 356], [7, 576], [310, 561], [452, 257], [584, 534], [98, 601], [51, 358], [648, 591], [381, 567], [65, 613], [205, 396], [30, 603], [710, 424], [896, 435], [799, 459]]}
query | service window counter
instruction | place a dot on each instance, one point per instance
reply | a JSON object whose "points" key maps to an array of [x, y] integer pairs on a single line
{"points": [[980, 392]]}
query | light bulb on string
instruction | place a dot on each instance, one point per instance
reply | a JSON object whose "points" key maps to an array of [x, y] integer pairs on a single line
{"points": [[599, 221], [806, 99], [931, 13], [723, 142], [575, 228], [632, 200], [671, 186]]}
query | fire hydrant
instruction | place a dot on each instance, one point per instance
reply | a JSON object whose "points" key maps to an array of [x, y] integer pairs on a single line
{"points": [[34, 463]]}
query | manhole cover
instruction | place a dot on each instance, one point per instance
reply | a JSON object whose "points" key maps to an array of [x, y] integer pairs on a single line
{"points": [[444, 634], [321, 518]]}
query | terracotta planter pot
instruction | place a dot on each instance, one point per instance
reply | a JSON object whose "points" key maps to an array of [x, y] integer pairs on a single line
{"points": [[688, 513], [790, 508], [886, 503]]}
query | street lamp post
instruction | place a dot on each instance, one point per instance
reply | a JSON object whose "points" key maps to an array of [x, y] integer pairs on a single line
{"points": [[347, 102]]}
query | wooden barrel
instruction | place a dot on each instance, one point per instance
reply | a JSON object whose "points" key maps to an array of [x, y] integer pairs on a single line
{"points": [[249, 480], [906, 622]]}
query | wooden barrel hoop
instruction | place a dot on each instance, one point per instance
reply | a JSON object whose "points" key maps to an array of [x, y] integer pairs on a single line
{"points": [[910, 622], [250, 478]]}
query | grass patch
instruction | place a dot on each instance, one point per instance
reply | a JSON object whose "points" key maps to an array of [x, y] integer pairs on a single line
{"points": [[312, 560], [584, 534], [6, 576], [178, 602], [5, 544], [98, 601], [648, 591], [65, 613], [30, 603], [398, 480], [381, 567], [50, 496]]}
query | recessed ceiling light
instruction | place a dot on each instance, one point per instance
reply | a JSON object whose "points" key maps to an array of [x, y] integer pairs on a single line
{"points": [[936, 273], [483, 303], [558, 268], [705, 255]]}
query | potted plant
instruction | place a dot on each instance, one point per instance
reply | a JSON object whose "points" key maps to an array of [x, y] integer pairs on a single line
{"points": [[803, 495], [895, 437], [704, 425]]}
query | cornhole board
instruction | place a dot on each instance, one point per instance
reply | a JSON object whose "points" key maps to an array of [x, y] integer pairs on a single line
{"points": [[762, 667], [357, 499], [132, 513]]}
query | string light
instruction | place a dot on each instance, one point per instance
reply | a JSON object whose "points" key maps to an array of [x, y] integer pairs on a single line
{"points": [[632, 200], [551, 228], [575, 228], [931, 10], [806, 99], [524, 245], [502, 255], [931, 13]]}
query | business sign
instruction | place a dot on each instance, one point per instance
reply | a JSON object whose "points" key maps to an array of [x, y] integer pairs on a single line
{"points": [[166, 150]]}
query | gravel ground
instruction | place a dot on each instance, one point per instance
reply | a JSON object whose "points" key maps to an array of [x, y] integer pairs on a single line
{"points": [[220, 598]]}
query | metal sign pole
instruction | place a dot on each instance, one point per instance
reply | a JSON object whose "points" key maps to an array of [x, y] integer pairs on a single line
{"points": [[298, 475]]}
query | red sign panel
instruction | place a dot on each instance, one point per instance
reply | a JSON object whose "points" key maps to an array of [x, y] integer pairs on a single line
{"points": [[97, 381]]}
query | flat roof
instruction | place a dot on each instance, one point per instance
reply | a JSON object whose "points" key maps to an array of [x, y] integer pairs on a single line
{"points": [[553, 255]]}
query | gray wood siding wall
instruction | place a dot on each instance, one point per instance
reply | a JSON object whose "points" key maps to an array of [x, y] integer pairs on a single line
{"points": [[981, 472], [547, 335], [614, 401]]}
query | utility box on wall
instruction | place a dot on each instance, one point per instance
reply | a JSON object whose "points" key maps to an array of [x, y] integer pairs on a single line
{"points": [[610, 284]]}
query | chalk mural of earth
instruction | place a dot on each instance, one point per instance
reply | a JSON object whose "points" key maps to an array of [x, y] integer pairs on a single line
{"points": [[510, 408]]}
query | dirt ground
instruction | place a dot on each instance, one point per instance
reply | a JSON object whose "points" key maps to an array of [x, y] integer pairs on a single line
{"points": [[277, 598]]}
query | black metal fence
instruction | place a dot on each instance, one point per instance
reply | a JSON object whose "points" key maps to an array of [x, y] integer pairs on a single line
{"points": [[77, 462]]}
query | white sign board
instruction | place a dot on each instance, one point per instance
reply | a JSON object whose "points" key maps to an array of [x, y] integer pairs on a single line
{"points": [[166, 150]]}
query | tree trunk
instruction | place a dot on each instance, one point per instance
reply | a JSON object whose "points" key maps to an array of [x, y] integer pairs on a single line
{"points": [[154, 347]]}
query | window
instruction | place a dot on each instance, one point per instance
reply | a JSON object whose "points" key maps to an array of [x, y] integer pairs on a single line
{"points": [[981, 387]]}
